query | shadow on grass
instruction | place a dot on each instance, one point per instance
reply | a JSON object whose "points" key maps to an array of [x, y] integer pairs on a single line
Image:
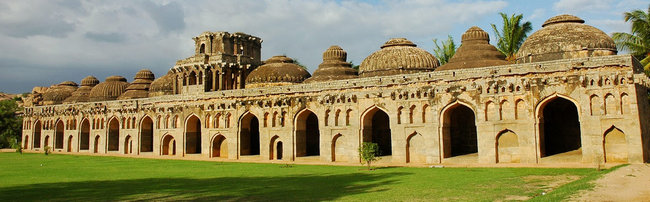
{"points": [[292, 188]]}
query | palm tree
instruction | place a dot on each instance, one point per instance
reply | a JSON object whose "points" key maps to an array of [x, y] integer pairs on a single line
{"points": [[638, 42], [445, 50], [512, 34]]}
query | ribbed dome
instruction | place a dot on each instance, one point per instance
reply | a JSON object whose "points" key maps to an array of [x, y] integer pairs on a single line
{"points": [[162, 86], [82, 93], [334, 66], [58, 93], [475, 51], [277, 71], [89, 81], [563, 37], [110, 89], [397, 56], [139, 88]]}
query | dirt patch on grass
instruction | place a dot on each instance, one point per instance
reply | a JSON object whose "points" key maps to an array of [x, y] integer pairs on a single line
{"points": [[629, 183], [540, 184]]}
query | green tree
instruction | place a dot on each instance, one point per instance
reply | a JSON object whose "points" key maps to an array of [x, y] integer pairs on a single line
{"points": [[512, 34], [10, 124], [637, 42], [368, 152], [445, 50]]}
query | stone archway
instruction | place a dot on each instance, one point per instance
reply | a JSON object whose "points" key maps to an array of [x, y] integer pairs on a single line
{"points": [[37, 135], [58, 135], [128, 145], [193, 135], [249, 135], [146, 135], [69, 144], [278, 150], [459, 131], [507, 147], [96, 146], [559, 128], [46, 142], [307, 134], [26, 143], [376, 129], [415, 148], [220, 147], [84, 135], [168, 145], [338, 149], [615, 145], [114, 135]]}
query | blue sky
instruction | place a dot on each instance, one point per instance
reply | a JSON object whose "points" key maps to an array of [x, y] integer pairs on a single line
{"points": [[44, 42]]}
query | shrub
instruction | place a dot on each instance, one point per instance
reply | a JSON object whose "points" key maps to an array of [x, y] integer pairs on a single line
{"points": [[368, 153], [46, 149]]}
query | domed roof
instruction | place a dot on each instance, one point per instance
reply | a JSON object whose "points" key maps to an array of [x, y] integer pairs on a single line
{"points": [[334, 66], [475, 51], [276, 71], [397, 56], [139, 88], [82, 93], [162, 86], [563, 37], [59, 92], [110, 89]]}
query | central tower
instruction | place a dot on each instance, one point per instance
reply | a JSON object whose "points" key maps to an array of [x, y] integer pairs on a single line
{"points": [[221, 61]]}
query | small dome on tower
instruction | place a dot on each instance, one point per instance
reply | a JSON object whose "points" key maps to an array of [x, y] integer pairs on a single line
{"points": [[334, 66], [82, 93], [276, 71], [59, 92], [139, 88], [397, 56], [475, 51]]}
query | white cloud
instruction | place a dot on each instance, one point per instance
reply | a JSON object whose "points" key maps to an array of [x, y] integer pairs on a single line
{"points": [[580, 6]]}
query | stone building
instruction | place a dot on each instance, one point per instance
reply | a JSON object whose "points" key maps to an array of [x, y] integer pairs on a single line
{"points": [[567, 97]]}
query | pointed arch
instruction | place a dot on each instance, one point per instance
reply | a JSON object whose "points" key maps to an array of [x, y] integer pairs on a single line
{"points": [[168, 146], [58, 134], [70, 138], [193, 134], [307, 133], [146, 134], [610, 104], [415, 148], [37, 134], [219, 146], [113, 134], [338, 148], [558, 120], [507, 146], [459, 132], [275, 148], [84, 135], [96, 145], [425, 108], [375, 127], [128, 145], [625, 103], [615, 145], [249, 134]]}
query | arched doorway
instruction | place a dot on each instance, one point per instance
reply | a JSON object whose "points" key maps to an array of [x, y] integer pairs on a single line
{"points": [[26, 143], [249, 135], [559, 128], [46, 143], [415, 148], [84, 136], [615, 145], [278, 151], [70, 143], [128, 145], [37, 135], [114, 135], [459, 131], [307, 134], [338, 147], [96, 146], [168, 145], [220, 147], [507, 147], [376, 129], [146, 135], [58, 135], [193, 135]]}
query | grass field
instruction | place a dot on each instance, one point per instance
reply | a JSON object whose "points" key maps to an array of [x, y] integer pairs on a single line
{"points": [[30, 177]]}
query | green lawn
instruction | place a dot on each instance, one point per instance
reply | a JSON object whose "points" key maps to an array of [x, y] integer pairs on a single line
{"points": [[30, 177]]}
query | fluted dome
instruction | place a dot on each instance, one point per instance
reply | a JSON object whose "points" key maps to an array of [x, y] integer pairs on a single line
{"points": [[563, 37], [334, 66], [139, 88], [276, 71], [475, 51], [397, 56], [82, 93], [162, 86], [59, 92], [110, 89]]}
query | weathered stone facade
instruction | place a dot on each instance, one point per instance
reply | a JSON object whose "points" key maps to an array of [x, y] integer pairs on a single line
{"points": [[579, 108]]}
